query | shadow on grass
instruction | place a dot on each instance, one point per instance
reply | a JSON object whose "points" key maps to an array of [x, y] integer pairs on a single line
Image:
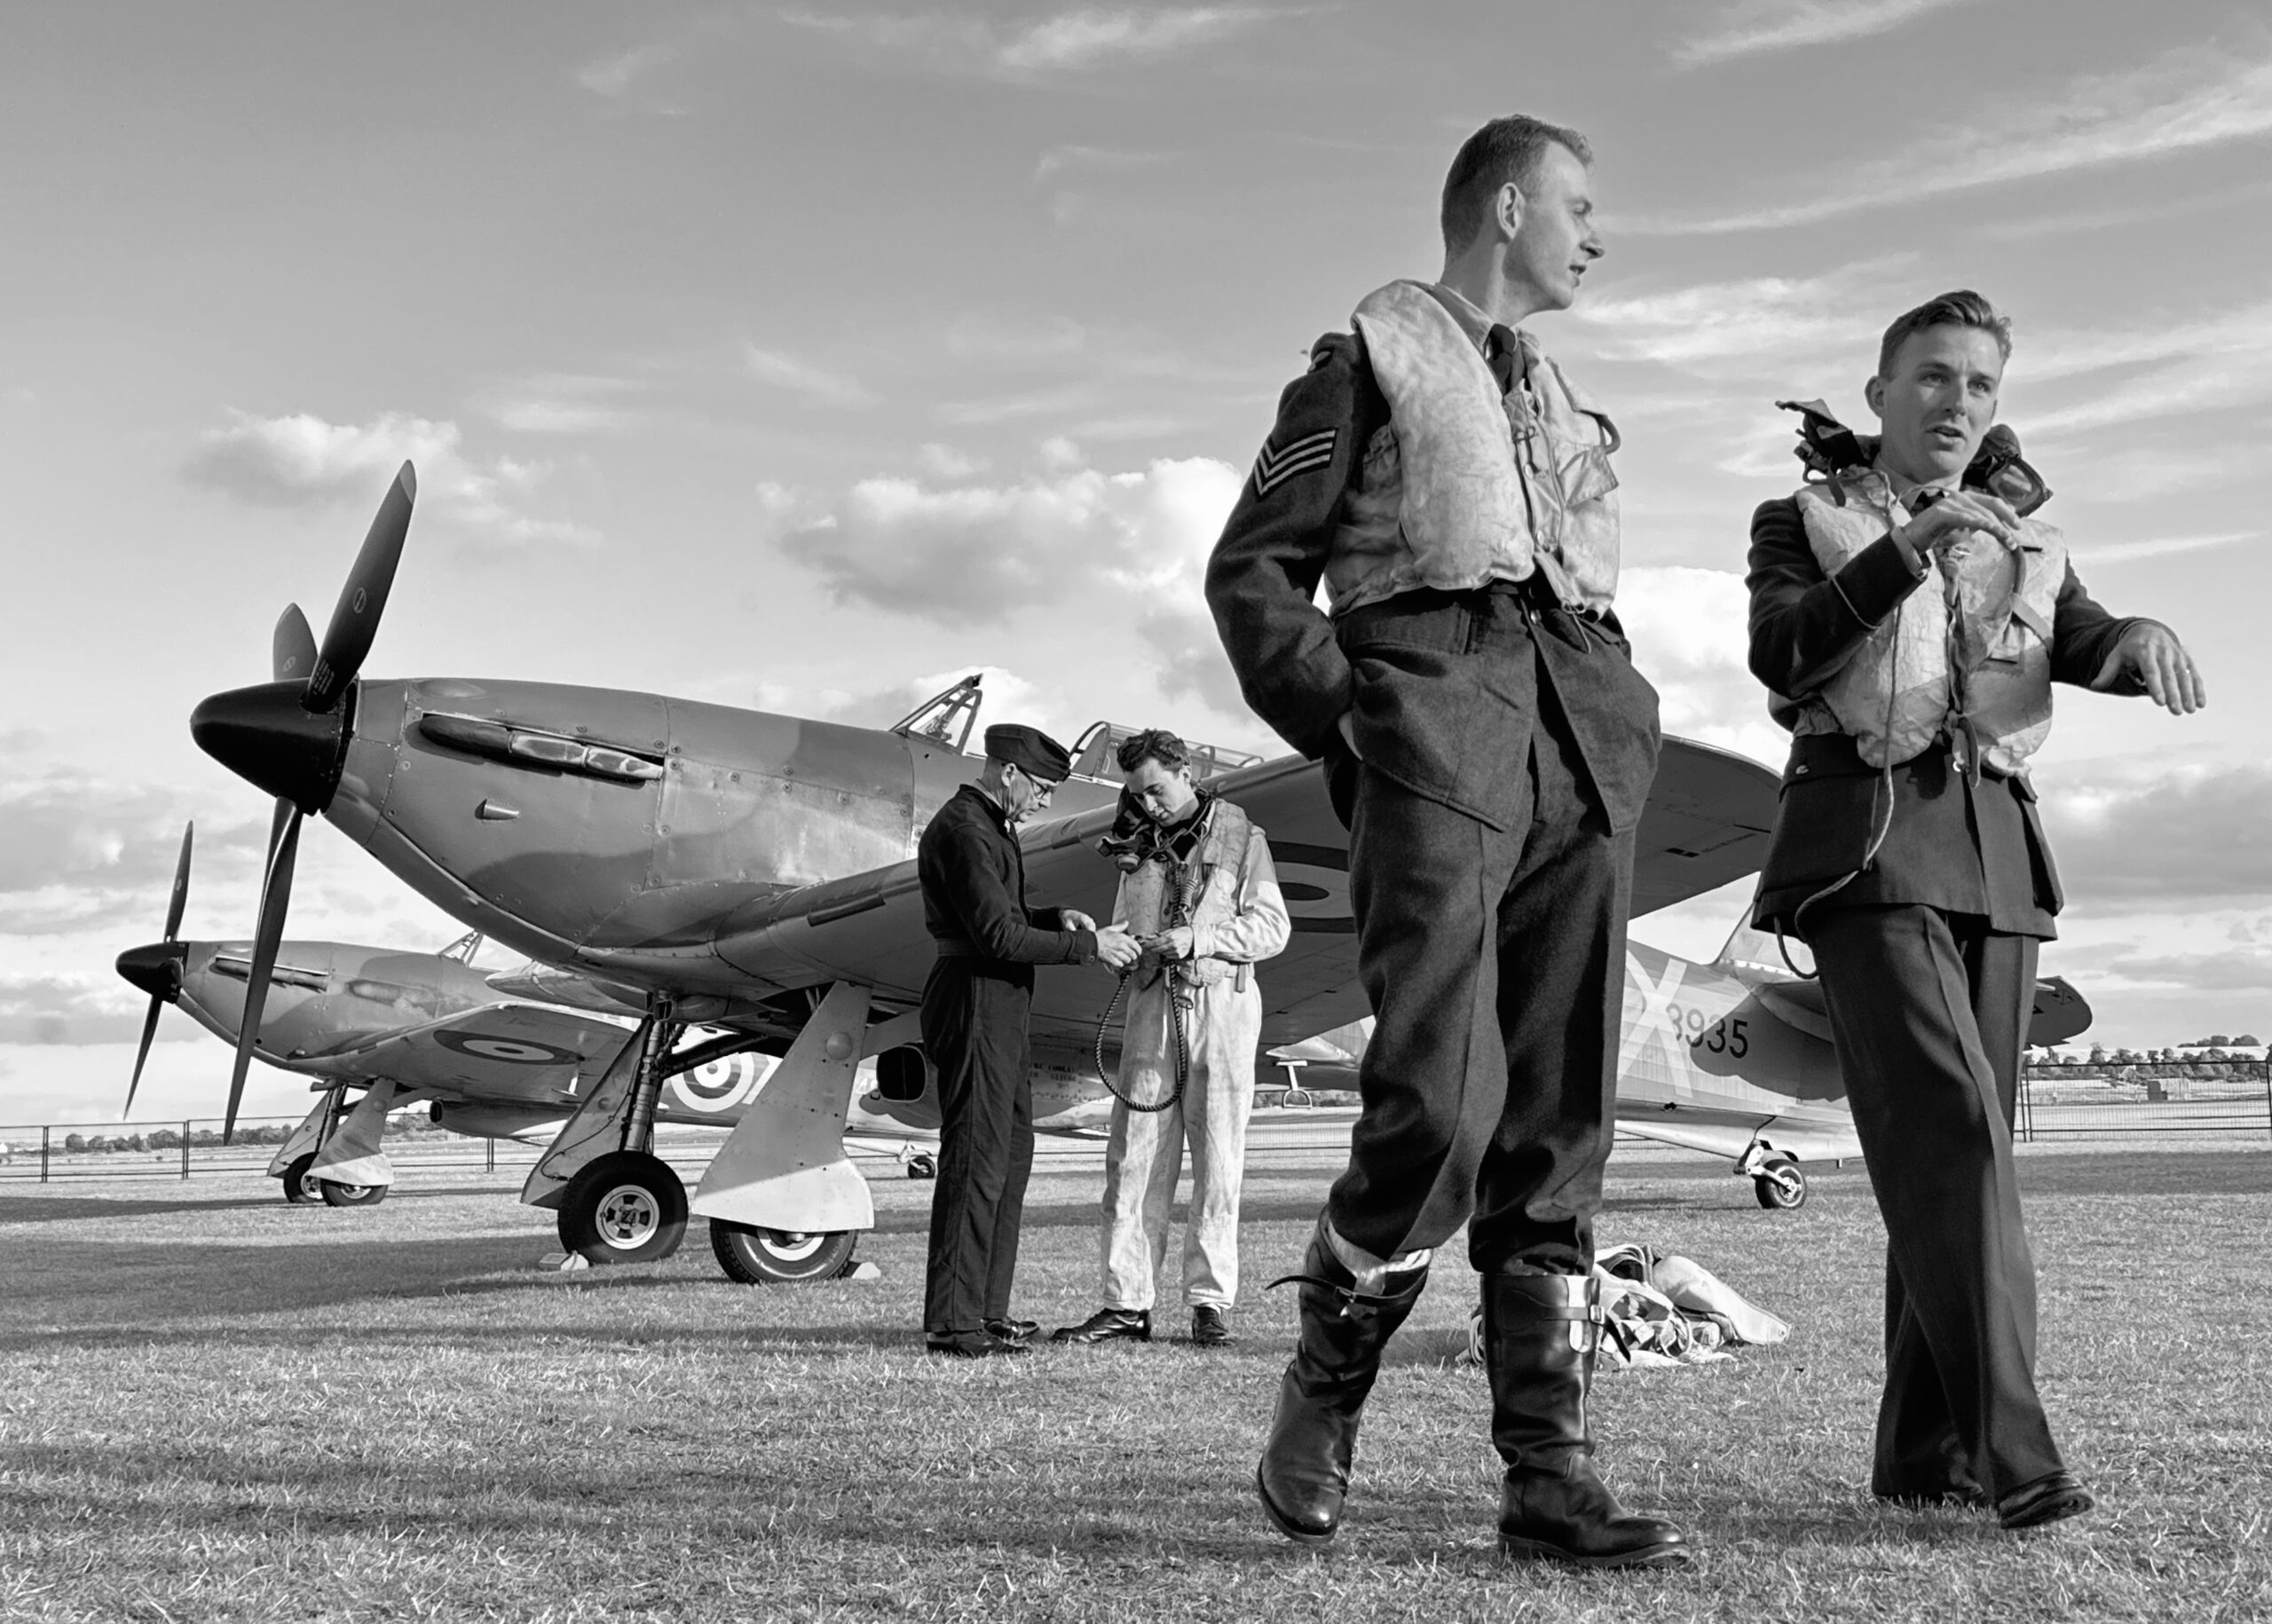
{"points": [[2232, 1172]]}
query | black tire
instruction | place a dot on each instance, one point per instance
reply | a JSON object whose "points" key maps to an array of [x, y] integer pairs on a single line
{"points": [[336, 1195], [1779, 1185], [625, 1207], [301, 1186], [778, 1256], [922, 1164]]}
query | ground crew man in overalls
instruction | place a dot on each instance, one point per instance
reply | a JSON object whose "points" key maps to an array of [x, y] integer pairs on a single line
{"points": [[975, 1004], [1909, 617], [1491, 747], [1199, 892]]}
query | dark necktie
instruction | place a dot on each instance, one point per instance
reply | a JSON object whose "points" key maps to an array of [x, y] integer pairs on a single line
{"points": [[1501, 355]]}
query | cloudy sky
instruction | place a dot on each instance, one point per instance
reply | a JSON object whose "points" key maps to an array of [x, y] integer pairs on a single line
{"points": [[807, 357]]}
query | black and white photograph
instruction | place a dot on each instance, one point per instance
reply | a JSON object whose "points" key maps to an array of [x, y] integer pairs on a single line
{"points": [[1027, 810]]}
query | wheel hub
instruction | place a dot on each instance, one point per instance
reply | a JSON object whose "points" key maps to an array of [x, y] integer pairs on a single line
{"points": [[627, 1217]]}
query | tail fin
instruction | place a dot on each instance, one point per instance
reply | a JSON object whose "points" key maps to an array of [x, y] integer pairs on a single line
{"points": [[1748, 948]]}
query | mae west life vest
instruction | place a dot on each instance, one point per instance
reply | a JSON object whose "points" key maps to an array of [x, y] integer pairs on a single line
{"points": [[1164, 891], [1465, 484], [1966, 657]]}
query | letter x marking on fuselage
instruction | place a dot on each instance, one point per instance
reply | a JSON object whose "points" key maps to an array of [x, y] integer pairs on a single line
{"points": [[1655, 1022]]}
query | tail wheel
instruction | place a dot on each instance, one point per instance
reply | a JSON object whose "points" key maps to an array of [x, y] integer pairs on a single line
{"points": [[762, 1257], [335, 1194], [301, 1186], [625, 1207], [922, 1164], [1779, 1185]]}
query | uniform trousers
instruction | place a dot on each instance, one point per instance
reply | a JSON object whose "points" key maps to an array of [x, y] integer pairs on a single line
{"points": [[1145, 1152], [974, 1021], [1930, 1013], [1495, 962]]}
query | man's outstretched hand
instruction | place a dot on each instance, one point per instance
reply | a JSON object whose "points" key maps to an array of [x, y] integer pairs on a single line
{"points": [[2151, 653], [1116, 947]]}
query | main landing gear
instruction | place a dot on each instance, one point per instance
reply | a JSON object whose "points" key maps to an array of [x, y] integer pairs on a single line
{"points": [[617, 1202], [334, 1156]]}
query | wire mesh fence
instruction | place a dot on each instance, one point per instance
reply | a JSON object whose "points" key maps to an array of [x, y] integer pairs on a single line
{"points": [[51, 1152], [2145, 1099]]}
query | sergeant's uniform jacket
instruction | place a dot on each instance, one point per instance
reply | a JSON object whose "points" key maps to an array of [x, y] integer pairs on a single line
{"points": [[1325, 503], [1953, 844]]}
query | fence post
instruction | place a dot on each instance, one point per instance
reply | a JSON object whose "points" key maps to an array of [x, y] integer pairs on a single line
{"points": [[184, 1147], [491, 1144], [44, 1135]]}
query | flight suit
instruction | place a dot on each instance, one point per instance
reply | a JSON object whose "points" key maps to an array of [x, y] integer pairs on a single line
{"points": [[976, 1003], [1928, 962]]}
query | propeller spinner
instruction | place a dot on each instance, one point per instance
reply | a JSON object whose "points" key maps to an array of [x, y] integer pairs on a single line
{"points": [[289, 735], [156, 969]]}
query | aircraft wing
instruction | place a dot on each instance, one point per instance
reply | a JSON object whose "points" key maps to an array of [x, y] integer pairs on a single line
{"points": [[1805, 1142], [1706, 824], [2060, 1013], [499, 1052]]}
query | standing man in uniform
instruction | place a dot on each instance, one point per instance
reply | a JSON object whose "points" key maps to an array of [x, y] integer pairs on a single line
{"points": [[1201, 895], [1491, 747], [1909, 619], [974, 1008]]}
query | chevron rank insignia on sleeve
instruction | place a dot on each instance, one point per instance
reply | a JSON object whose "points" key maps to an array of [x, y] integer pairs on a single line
{"points": [[1279, 463]]}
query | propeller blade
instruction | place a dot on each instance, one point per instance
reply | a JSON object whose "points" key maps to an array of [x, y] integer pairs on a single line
{"points": [[149, 1031], [275, 897], [355, 619], [180, 898], [292, 650]]}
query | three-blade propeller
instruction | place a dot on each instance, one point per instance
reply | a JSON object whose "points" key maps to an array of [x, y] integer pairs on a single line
{"points": [[330, 671], [174, 907]]}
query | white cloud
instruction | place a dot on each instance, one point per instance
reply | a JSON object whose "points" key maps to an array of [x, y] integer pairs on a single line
{"points": [[1064, 160], [1133, 545], [2127, 552], [814, 383], [980, 552], [612, 76], [1078, 41], [302, 461], [560, 403], [1690, 639], [2155, 841], [1748, 327], [945, 462], [1754, 27], [2187, 100]]}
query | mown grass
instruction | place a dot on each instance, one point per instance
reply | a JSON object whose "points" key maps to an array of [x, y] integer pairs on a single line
{"points": [[214, 1407]]}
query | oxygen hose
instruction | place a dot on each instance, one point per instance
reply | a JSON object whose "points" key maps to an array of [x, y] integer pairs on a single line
{"points": [[1177, 912]]}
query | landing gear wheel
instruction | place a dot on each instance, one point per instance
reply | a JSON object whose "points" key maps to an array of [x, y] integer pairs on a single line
{"points": [[922, 1164], [1779, 1185], [300, 1186], [761, 1257], [625, 1207], [351, 1194]]}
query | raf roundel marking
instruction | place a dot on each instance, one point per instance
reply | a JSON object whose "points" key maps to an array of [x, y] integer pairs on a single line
{"points": [[1314, 881], [513, 1051]]}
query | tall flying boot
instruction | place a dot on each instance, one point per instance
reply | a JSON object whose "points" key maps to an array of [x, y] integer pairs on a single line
{"points": [[1304, 1477], [1539, 1334]]}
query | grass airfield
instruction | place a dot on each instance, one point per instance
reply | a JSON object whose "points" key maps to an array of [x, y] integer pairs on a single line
{"points": [[214, 1406]]}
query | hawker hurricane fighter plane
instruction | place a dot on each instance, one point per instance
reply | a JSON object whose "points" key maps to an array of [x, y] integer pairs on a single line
{"points": [[1732, 1058], [754, 872]]}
